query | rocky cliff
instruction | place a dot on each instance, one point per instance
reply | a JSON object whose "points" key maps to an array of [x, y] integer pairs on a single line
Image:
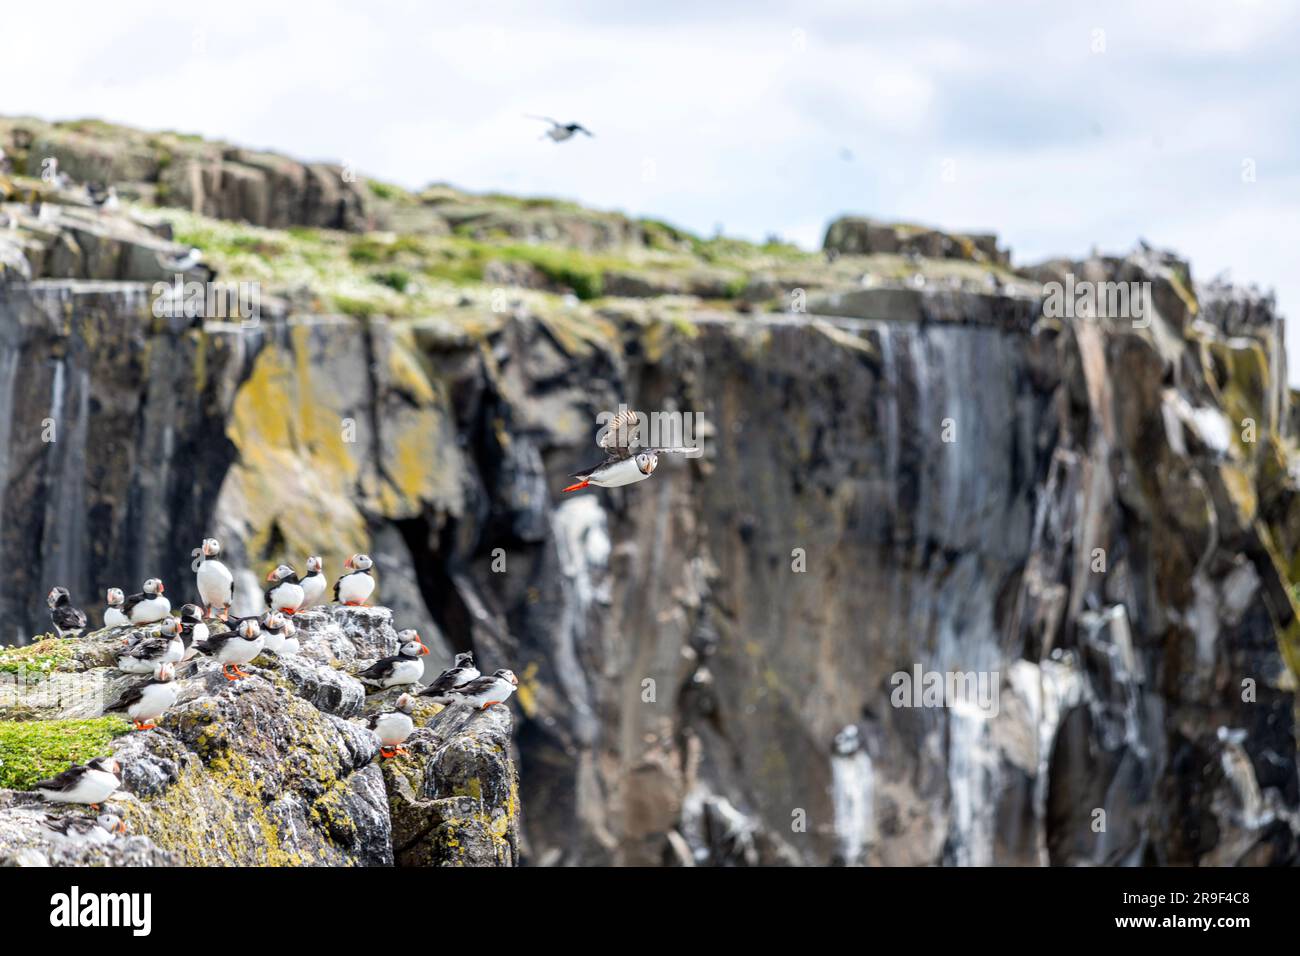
{"points": [[267, 771], [911, 461]]}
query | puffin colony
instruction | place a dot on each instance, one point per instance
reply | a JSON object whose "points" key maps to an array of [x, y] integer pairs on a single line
{"points": [[162, 643], [157, 651]]}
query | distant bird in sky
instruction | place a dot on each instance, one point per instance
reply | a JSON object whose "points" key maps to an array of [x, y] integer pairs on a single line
{"points": [[561, 131]]}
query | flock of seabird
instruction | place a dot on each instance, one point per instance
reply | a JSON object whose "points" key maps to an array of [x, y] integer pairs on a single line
{"points": [[161, 641]]}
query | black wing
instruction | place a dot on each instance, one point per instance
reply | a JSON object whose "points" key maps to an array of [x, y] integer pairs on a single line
{"points": [[68, 618], [132, 601], [130, 696], [617, 438], [61, 781], [443, 683], [477, 686], [380, 668]]}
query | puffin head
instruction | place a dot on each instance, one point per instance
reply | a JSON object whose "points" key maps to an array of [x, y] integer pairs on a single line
{"points": [[164, 671], [280, 573], [191, 614], [111, 822], [405, 703], [56, 597], [154, 587], [315, 565], [507, 675], [359, 562], [211, 547], [106, 764], [647, 461], [115, 597], [171, 626], [274, 621], [465, 660], [412, 646], [249, 629]]}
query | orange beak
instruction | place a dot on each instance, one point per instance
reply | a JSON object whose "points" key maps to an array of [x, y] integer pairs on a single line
{"points": [[423, 649], [162, 588], [121, 827], [348, 564], [270, 576]]}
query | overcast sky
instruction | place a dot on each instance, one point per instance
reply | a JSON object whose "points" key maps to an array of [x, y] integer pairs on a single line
{"points": [[1059, 128]]}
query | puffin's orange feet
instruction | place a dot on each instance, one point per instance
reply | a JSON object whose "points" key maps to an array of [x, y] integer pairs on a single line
{"points": [[385, 752], [146, 726], [226, 670]]}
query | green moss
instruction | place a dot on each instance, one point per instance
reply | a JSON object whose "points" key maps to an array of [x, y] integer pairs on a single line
{"points": [[399, 280], [36, 749], [35, 659]]}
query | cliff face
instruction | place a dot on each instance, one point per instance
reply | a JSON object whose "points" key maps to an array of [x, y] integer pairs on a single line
{"points": [[909, 463], [268, 771]]}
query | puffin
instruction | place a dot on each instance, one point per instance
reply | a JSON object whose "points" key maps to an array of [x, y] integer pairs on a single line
{"points": [[313, 582], [559, 132], [100, 829], [216, 583], [461, 672], [356, 584], [149, 606], [483, 692], [91, 784], [233, 648], [145, 703], [164, 646], [621, 465], [193, 629], [273, 630], [404, 667], [285, 593], [290, 645], [393, 727], [113, 616], [68, 620]]}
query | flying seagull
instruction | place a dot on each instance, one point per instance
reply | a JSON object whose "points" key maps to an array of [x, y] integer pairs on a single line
{"points": [[561, 131]]}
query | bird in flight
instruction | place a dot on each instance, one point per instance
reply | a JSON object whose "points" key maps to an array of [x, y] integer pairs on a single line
{"points": [[559, 132], [622, 465]]}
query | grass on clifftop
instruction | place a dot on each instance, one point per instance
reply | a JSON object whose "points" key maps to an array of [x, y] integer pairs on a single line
{"points": [[32, 750], [35, 659]]}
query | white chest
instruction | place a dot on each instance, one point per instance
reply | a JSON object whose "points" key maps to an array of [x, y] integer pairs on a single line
{"points": [[620, 473], [355, 588], [151, 610]]}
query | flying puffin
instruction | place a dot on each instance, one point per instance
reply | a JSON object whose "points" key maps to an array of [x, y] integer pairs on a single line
{"points": [[483, 692], [101, 829], [145, 703], [113, 616], [313, 582], [233, 648], [621, 465], [559, 132], [461, 672], [90, 784], [404, 667], [68, 620], [193, 629], [393, 727], [164, 646], [273, 630], [356, 584], [149, 606], [216, 583], [285, 593]]}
